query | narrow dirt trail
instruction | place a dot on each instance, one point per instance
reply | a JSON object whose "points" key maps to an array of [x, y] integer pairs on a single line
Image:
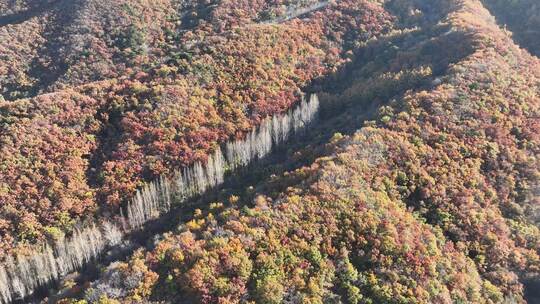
{"points": [[298, 12]]}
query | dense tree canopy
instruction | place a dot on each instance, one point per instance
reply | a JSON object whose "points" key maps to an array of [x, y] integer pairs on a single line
{"points": [[209, 73], [433, 200]]}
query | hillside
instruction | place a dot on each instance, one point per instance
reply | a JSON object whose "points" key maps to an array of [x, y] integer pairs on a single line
{"points": [[418, 182], [86, 149], [522, 18]]}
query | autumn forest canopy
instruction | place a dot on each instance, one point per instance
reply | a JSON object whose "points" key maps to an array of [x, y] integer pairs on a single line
{"points": [[269, 151]]}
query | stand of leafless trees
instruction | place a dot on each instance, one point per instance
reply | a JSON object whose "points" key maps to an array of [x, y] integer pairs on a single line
{"points": [[21, 275]]}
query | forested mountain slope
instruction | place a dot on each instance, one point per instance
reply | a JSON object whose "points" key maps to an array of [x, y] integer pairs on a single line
{"points": [[216, 72], [432, 202], [433, 199]]}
